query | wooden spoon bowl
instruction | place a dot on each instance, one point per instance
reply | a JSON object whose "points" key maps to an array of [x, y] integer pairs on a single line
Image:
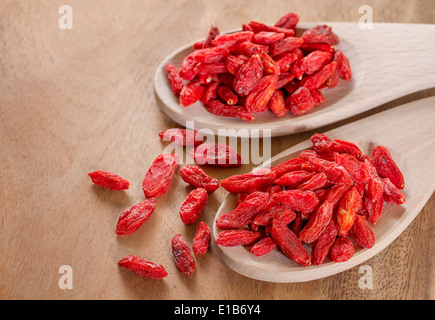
{"points": [[383, 69], [409, 133]]}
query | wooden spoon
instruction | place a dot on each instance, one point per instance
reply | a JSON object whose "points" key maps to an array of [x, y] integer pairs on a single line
{"points": [[388, 61], [409, 133]]}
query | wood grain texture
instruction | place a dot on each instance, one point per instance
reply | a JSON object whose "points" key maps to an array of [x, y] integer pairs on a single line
{"points": [[79, 100]]}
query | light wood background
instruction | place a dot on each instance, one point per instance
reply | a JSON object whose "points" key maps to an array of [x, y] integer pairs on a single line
{"points": [[74, 101]]}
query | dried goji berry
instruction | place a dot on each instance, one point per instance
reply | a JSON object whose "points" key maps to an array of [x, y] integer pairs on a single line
{"points": [[315, 60], [321, 142], [297, 224], [196, 177], [294, 178], [211, 35], [293, 164], [248, 76], [353, 166], [187, 68], [344, 70], [182, 255], [350, 204], [191, 93], [318, 181], [386, 167], [201, 241], [342, 146], [374, 188], [142, 267], [248, 48], [290, 243], [230, 39], [361, 232], [295, 69], [158, 178], [174, 78], [235, 62], [211, 68], [317, 79], [303, 201], [259, 27], [227, 95], [317, 96], [211, 55], [289, 21], [183, 137], [336, 193], [323, 244], [310, 47], [301, 101], [284, 78], [286, 45], [269, 65], [193, 206], [256, 180], [109, 180], [281, 213], [264, 246], [342, 249], [318, 221], [210, 93], [132, 218], [216, 154], [258, 98], [336, 174], [391, 193], [277, 104], [218, 108], [374, 209], [320, 34], [245, 212], [231, 238], [267, 37], [285, 60]]}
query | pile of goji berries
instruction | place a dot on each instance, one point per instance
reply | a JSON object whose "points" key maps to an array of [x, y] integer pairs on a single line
{"points": [[324, 197], [260, 68]]}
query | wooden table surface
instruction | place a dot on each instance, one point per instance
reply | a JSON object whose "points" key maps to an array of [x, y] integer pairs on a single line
{"points": [[75, 101]]}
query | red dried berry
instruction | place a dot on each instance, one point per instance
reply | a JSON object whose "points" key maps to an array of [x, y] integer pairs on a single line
{"points": [[133, 218], [317, 223], [216, 154], [158, 178], [197, 178], [290, 244], [193, 206], [249, 182], [342, 250], [362, 233], [264, 246], [183, 137], [142, 267], [109, 180], [231, 238], [174, 78], [201, 241], [323, 244], [386, 167], [245, 212], [182, 255]]}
